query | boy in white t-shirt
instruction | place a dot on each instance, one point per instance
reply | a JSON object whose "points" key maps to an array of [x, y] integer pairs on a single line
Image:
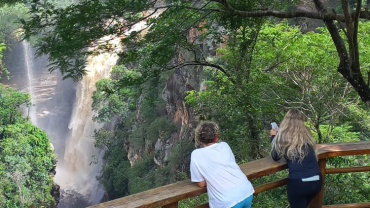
{"points": [[214, 166]]}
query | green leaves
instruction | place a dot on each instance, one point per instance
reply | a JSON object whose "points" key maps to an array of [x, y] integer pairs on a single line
{"points": [[65, 34], [112, 97], [142, 128], [305, 66], [9, 28], [10, 101], [26, 157], [9, 24]]}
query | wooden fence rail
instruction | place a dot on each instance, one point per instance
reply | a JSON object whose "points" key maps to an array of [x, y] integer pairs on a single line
{"points": [[168, 196]]}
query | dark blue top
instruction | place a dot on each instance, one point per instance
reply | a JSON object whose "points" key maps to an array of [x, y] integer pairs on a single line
{"points": [[309, 166]]}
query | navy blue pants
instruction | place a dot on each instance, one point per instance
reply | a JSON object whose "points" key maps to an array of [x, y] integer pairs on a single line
{"points": [[301, 193]]}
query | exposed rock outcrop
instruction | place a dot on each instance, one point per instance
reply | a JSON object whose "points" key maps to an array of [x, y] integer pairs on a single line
{"points": [[55, 190], [178, 84]]}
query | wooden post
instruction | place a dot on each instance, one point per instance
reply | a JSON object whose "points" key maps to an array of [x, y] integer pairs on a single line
{"points": [[317, 201], [172, 205]]}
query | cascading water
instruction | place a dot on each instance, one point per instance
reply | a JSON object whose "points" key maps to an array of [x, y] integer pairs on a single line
{"points": [[63, 110], [82, 161], [28, 60]]}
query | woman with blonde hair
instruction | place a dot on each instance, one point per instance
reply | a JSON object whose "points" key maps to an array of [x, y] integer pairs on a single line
{"points": [[213, 165], [295, 143]]}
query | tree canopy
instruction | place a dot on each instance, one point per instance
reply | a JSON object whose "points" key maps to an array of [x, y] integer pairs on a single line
{"points": [[66, 34]]}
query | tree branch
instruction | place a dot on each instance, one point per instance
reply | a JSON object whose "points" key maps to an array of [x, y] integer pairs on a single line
{"points": [[355, 79], [264, 12], [191, 8], [123, 27], [199, 63], [356, 55], [341, 26], [349, 25], [326, 16], [272, 67], [337, 39]]}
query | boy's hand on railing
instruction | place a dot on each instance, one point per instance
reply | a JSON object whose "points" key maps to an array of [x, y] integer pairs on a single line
{"points": [[202, 184]]}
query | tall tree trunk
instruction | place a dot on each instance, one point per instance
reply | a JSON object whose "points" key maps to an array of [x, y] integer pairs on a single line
{"points": [[319, 133], [254, 138], [349, 62]]}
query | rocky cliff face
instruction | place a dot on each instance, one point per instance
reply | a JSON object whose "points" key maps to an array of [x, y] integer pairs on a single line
{"points": [[178, 84]]}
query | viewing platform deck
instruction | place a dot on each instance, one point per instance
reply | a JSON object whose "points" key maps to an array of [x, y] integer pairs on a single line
{"points": [[168, 196]]}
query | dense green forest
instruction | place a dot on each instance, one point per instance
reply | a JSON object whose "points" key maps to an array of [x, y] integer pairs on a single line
{"points": [[257, 58], [26, 155]]}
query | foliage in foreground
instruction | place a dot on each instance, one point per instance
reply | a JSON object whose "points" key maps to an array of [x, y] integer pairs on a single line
{"points": [[26, 156]]}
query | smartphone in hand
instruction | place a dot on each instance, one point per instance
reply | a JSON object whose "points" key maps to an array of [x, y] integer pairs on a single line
{"points": [[274, 125]]}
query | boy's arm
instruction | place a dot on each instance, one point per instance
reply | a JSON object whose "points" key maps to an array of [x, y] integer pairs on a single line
{"points": [[202, 184], [195, 174]]}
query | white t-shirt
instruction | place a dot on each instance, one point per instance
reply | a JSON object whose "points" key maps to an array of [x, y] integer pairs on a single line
{"points": [[227, 185]]}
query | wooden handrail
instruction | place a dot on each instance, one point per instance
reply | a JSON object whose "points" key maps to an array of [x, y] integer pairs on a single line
{"points": [[346, 170], [169, 195], [357, 205], [343, 149], [269, 186]]}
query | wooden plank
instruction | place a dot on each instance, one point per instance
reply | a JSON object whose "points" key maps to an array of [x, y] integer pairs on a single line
{"points": [[157, 197], [343, 149], [317, 201], [185, 189], [269, 186], [262, 167], [347, 170], [357, 205], [172, 205], [258, 189], [255, 169]]}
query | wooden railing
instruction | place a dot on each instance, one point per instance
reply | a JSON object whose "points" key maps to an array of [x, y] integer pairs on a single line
{"points": [[168, 196]]}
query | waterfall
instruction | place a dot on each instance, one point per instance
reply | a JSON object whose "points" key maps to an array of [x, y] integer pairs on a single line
{"points": [[28, 60], [82, 161], [63, 110]]}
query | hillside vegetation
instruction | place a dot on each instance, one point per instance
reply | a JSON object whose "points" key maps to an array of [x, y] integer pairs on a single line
{"points": [[26, 156]]}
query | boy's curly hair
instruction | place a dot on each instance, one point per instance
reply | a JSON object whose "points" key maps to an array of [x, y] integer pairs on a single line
{"points": [[206, 132]]}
